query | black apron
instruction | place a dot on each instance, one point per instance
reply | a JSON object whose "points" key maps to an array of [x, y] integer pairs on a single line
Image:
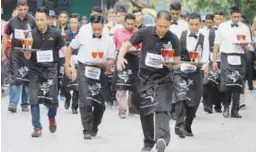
{"points": [[91, 91], [19, 68], [70, 84], [155, 92], [232, 76], [43, 87], [126, 78], [195, 88], [213, 78]]}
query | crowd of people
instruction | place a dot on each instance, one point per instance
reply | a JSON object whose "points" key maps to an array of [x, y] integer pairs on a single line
{"points": [[160, 72]]}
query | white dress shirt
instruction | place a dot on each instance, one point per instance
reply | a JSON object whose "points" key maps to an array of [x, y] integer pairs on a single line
{"points": [[226, 36], [178, 29], [87, 44], [191, 45], [205, 31]]}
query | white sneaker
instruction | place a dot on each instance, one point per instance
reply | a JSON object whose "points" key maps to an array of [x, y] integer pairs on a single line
{"points": [[160, 145]]}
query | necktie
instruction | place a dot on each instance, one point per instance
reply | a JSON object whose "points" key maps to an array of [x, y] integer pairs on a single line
{"points": [[234, 25], [175, 22], [94, 36], [193, 35]]}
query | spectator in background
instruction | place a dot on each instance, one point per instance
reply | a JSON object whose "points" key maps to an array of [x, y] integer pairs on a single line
{"points": [[63, 20], [96, 10], [218, 18], [139, 18], [112, 24], [83, 21], [121, 15], [52, 20]]}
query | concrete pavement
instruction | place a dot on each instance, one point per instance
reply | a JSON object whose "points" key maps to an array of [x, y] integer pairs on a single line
{"points": [[213, 133]]}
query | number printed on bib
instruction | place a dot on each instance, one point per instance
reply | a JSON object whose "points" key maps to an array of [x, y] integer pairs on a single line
{"points": [[186, 67], [44, 56], [92, 72], [19, 34], [234, 60], [154, 60]]}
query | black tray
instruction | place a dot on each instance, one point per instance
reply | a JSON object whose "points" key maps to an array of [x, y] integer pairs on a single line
{"points": [[171, 64], [25, 49]]}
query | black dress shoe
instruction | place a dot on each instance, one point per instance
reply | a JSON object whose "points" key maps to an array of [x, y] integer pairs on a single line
{"points": [[74, 111], [208, 109], [226, 112], [218, 111], [242, 106], [235, 115], [188, 132], [180, 132], [94, 132], [67, 103]]}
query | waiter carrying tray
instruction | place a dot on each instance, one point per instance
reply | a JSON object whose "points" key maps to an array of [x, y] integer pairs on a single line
{"points": [[232, 40], [154, 79]]}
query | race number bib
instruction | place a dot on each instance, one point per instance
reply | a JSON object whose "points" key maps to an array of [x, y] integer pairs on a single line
{"points": [[19, 34], [234, 60], [44, 56], [218, 57], [92, 73], [187, 68], [153, 60]]}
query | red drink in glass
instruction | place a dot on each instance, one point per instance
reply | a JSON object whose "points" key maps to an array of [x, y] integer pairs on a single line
{"points": [[238, 37], [243, 37], [191, 55], [101, 55], [94, 55], [29, 43]]}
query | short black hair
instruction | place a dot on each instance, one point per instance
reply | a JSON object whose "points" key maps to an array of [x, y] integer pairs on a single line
{"points": [[209, 17], [164, 14], [63, 12], [74, 15], [121, 9], [138, 10], [175, 6], [97, 19], [235, 9], [219, 13], [96, 9], [22, 2], [129, 17], [43, 10], [195, 16]]}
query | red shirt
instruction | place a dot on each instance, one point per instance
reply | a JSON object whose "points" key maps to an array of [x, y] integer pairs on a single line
{"points": [[122, 35]]}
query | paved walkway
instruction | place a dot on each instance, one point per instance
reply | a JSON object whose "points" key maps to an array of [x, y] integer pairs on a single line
{"points": [[212, 132]]}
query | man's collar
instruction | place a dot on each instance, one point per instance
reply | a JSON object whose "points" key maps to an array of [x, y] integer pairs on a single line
{"points": [[25, 18], [125, 30], [155, 34], [47, 30], [197, 34]]}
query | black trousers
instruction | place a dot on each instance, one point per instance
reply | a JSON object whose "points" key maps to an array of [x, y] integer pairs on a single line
{"points": [[212, 96], [235, 98], [184, 114], [91, 117], [155, 126], [249, 68], [74, 97]]}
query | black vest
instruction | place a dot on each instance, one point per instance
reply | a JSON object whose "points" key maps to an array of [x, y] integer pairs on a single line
{"points": [[212, 38], [183, 43]]}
